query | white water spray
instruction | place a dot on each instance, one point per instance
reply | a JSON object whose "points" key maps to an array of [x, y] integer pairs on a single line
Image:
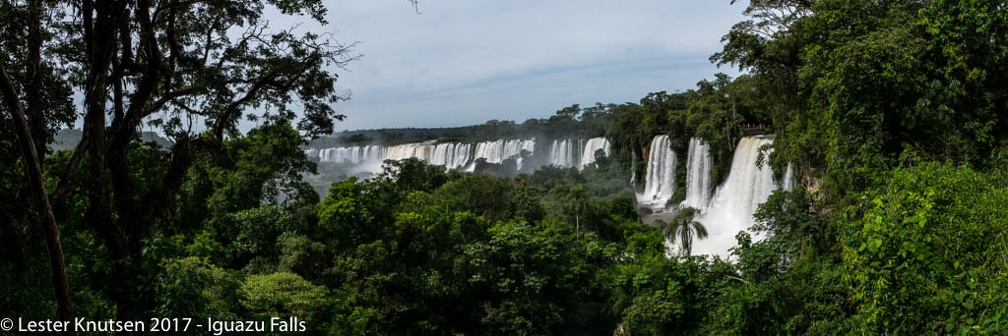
{"points": [[592, 146], [731, 210], [659, 183], [452, 155], [698, 177], [563, 152]]}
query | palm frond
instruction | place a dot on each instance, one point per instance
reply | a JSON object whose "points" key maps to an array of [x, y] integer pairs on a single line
{"points": [[700, 230]]}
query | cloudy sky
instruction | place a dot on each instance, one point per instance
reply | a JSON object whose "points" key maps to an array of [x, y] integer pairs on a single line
{"points": [[462, 62]]}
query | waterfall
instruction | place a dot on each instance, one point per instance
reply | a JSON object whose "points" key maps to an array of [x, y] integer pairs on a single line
{"points": [[593, 145], [443, 155], [571, 153], [452, 155], [724, 212], [698, 165], [350, 155], [659, 183], [788, 183], [633, 170], [563, 152], [731, 210], [405, 151], [499, 150], [526, 146], [462, 155]]}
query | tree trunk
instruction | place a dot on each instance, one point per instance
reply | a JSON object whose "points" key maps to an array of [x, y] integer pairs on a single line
{"points": [[107, 211], [577, 227], [34, 171], [33, 84]]}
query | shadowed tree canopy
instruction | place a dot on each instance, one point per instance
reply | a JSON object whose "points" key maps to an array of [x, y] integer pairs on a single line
{"points": [[195, 69], [856, 84]]}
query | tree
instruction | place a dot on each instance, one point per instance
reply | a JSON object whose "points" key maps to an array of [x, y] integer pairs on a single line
{"points": [[575, 202], [855, 84], [37, 102], [193, 286], [769, 46], [413, 174], [479, 194], [301, 255], [684, 228], [171, 64], [624, 131], [928, 244], [33, 167], [357, 212], [282, 294]]}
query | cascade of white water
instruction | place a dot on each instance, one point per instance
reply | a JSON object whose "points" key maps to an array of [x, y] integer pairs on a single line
{"points": [[731, 210], [499, 150], [351, 155], [450, 155], [443, 155], [593, 145], [524, 146], [563, 152], [489, 150], [633, 170], [312, 153], [405, 151], [459, 155], [659, 183], [698, 164], [788, 183]]}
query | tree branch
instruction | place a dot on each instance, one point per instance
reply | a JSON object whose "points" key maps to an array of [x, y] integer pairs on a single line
{"points": [[149, 82], [171, 96], [737, 278], [66, 181], [33, 87], [260, 83]]}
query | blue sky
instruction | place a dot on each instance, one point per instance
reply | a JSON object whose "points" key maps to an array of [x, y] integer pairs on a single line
{"points": [[462, 62]]}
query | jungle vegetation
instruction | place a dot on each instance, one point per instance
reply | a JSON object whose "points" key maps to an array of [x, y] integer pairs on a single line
{"points": [[891, 112]]}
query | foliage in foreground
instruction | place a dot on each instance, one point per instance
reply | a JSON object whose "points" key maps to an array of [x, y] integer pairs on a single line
{"points": [[895, 106]]}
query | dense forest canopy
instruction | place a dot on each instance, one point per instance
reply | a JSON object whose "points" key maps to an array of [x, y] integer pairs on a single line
{"points": [[891, 112]]}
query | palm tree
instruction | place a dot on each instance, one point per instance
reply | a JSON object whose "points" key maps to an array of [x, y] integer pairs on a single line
{"points": [[684, 228]]}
